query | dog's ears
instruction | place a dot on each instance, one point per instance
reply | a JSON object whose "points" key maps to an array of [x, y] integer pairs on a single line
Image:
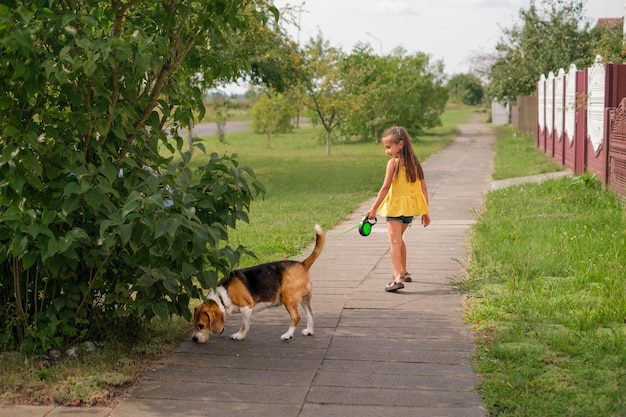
{"points": [[216, 320]]}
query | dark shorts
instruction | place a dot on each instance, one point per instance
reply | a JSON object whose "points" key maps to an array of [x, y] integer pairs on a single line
{"points": [[401, 219]]}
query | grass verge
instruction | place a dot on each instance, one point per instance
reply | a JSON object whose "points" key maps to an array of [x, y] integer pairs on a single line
{"points": [[304, 187], [88, 374], [547, 294], [517, 156]]}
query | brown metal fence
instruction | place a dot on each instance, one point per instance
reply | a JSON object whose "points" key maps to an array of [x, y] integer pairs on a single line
{"points": [[617, 149], [583, 128], [524, 114]]}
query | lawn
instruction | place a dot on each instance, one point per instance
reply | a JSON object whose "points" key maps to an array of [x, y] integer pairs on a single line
{"points": [[547, 294]]}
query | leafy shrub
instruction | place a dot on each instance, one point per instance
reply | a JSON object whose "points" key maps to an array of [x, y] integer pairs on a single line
{"points": [[95, 226], [86, 244]]}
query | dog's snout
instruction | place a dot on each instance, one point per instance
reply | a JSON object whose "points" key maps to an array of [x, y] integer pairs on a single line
{"points": [[195, 338]]}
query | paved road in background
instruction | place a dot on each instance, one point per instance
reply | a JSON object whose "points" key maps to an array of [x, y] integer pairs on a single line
{"points": [[238, 126], [209, 129]]}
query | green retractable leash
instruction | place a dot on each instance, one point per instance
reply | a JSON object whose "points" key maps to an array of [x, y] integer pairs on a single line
{"points": [[365, 227]]}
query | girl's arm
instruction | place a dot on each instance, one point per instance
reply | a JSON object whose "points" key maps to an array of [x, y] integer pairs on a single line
{"points": [[382, 193], [425, 217]]}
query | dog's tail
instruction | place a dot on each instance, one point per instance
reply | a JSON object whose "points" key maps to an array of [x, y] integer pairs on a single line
{"points": [[319, 244]]}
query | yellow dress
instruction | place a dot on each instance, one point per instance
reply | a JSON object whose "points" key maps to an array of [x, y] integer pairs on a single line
{"points": [[404, 198]]}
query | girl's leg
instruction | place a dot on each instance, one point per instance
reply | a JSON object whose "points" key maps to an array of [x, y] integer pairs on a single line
{"points": [[395, 230], [403, 249]]}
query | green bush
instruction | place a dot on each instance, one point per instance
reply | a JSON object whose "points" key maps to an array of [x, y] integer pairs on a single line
{"points": [[95, 226], [86, 244]]}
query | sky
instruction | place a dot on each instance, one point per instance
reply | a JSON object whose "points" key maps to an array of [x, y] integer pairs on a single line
{"points": [[452, 31]]}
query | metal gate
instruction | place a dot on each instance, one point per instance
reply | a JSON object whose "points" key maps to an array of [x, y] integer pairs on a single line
{"points": [[617, 149]]}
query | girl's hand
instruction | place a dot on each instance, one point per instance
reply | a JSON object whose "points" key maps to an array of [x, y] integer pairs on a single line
{"points": [[425, 219], [369, 214]]}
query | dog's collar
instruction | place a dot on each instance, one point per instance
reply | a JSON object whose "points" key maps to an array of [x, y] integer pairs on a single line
{"points": [[216, 297]]}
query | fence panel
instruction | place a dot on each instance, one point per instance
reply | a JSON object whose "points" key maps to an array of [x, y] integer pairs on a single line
{"points": [[541, 113], [569, 118], [550, 114], [524, 114], [559, 116], [617, 148], [596, 106]]}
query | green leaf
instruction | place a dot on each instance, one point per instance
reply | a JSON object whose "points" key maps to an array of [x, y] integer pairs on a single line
{"points": [[19, 245], [29, 259], [125, 232], [69, 206], [109, 172], [168, 225], [76, 234], [59, 303], [93, 198], [123, 53], [50, 249], [71, 188], [146, 280], [129, 207], [5, 103], [48, 216], [160, 309], [171, 284], [32, 229]]}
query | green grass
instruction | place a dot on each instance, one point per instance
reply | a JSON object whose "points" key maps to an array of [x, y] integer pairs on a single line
{"points": [[517, 156], [96, 377], [304, 187], [547, 296]]}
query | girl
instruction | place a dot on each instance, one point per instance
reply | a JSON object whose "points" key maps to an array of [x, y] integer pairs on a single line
{"points": [[402, 196]]}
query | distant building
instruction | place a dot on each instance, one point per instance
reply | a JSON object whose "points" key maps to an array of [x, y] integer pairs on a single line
{"points": [[609, 21]]}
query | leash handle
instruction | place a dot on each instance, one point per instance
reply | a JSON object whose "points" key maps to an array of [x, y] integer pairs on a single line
{"points": [[365, 227]]}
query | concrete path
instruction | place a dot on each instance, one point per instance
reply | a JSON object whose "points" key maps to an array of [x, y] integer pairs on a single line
{"points": [[373, 354]]}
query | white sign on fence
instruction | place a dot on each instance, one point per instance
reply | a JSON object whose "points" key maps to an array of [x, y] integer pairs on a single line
{"points": [[550, 103], [541, 102], [570, 104], [595, 103], [558, 103]]}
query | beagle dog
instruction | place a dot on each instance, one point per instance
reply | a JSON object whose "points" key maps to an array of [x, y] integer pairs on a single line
{"points": [[252, 289]]}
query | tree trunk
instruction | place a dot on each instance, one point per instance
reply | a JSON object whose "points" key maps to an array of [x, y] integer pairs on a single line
{"points": [[328, 136]]}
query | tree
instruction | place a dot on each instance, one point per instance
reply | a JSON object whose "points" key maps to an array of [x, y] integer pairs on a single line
{"points": [[608, 42], [272, 113], [367, 78], [419, 94], [551, 35], [274, 59], [467, 88], [220, 105], [325, 94], [95, 225], [397, 89]]}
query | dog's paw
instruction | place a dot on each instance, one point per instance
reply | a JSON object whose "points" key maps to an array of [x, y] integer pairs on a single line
{"points": [[307, 332], [289, 334], [238, 336]]}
